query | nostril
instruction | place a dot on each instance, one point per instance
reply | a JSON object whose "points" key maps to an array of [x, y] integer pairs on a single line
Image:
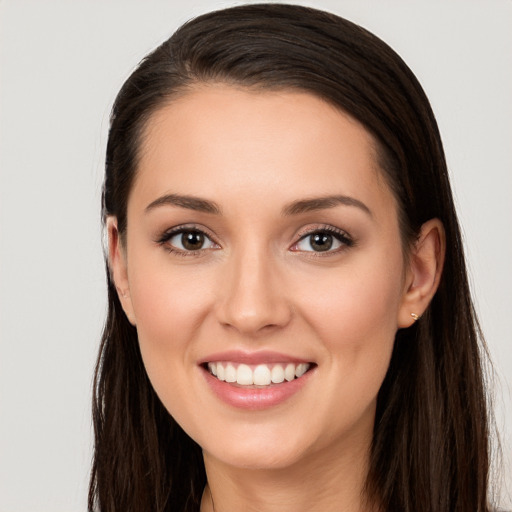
{"points": [[254, 315]]}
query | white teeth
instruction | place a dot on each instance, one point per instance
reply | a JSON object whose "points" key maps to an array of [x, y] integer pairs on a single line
{"points": [[213, 368], [300, 370], [230, 374], [289, 372], [261, 375], [277, 374], [244, 375]]}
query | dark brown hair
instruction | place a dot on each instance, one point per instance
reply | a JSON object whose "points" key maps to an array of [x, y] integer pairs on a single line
{"points": [[430, 445]]}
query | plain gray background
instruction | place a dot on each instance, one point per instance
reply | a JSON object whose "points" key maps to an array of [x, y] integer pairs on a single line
{"points": [[61, 65]]}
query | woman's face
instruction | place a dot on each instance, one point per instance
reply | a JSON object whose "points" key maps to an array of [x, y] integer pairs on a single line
{"points": [[262, 242]]}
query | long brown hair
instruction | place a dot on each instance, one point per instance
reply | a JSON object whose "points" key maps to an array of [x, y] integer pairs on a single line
{"points": [[430, 445]]}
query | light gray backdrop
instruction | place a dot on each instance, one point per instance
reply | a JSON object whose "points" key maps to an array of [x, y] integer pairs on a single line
{"points": [[62, 63]]}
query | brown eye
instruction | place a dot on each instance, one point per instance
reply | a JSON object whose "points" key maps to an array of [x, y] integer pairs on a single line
{"points": [[192, 240], [324, 240], [188, 240], [321, 242]]}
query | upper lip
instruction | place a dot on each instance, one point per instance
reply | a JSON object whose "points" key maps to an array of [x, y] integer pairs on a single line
{"points": [[258, 357]]}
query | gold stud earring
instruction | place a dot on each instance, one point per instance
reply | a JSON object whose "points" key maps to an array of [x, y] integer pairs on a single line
{"points": [[415, 316]]}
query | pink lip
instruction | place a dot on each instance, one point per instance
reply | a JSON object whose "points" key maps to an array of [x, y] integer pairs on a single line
{"points": [[252, 397], [262, 357]]}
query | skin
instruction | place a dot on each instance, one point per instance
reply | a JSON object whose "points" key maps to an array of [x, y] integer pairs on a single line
{"points": [[259, 286]]}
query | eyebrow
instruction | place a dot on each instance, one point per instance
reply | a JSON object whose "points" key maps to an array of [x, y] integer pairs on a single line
{"points": [[322, 203], [294, 208], [183, 201]]}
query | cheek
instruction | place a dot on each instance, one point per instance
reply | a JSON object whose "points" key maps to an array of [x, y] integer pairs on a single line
{"points": [[170, 306], [356, 322], [355, 300], [166, 297], [355, 316]]}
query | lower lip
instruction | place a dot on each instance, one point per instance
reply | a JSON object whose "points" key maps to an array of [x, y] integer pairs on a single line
{"points": [[252, 398]]}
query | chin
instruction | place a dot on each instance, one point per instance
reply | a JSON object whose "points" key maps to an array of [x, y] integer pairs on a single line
{"points": [[256, 460], [264, 452]]}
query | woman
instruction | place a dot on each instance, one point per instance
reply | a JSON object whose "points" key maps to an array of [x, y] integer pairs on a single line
{"points": [[290, 325]]}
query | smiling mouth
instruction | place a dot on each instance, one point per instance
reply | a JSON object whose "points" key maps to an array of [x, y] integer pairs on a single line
{"points": [[257, 375]]}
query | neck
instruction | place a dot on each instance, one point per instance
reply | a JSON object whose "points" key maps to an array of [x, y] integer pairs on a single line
{"points": [[332, 482]]}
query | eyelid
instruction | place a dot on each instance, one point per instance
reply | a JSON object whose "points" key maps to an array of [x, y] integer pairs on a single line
{"points": [[315, 228], [340, 234], [166, 235]]}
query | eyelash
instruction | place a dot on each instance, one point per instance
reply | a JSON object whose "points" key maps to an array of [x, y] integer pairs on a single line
{"points": [[341, 236], [169, 234]]}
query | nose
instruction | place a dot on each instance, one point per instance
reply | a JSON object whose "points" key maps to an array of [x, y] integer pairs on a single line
{"points": [[252, 294]]}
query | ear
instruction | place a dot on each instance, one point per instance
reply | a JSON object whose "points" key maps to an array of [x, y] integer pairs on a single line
{"points": [[118, 268], [423, 273]]}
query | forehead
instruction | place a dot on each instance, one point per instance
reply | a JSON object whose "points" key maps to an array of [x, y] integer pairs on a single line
{"points": [[217, 139]]}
